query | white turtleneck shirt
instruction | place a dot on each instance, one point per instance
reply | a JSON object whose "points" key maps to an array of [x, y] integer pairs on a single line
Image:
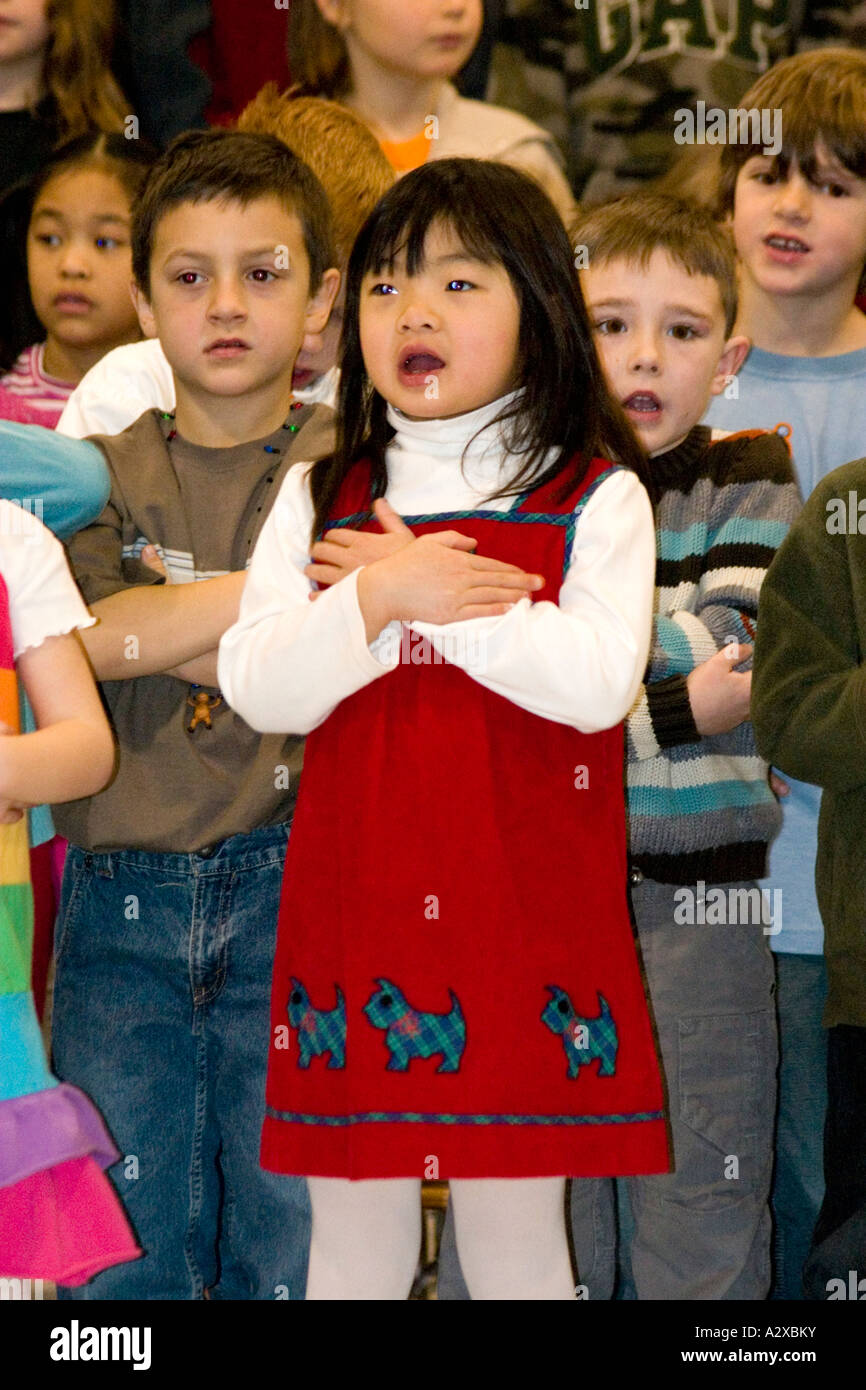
{"points": [[287, 663]]}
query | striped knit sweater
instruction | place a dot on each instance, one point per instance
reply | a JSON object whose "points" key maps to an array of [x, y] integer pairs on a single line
{"points": [[701, 807]]}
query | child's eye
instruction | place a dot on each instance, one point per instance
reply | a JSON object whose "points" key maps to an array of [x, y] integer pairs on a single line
{"points": [[610, 326], [48, 238], [835, 190], [382, 288], [765, 176], [107, 243], [460, 285], [262, 275], [188, 277], [683, 331]]}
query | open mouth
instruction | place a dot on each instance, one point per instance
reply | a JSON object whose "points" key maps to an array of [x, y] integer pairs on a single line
{"points": [[787, 245], [416, 364], [642, 403], [301, 378]]}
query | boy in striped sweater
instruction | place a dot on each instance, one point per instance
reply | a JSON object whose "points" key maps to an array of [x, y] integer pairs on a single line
{"points": [[660, 289]]}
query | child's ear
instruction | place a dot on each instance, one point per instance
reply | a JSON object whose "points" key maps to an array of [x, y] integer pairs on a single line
{"points": [[732, 358], [318, 309], [333, 12], [144, 311]]}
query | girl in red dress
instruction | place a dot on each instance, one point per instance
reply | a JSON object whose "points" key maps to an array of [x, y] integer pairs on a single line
{"points": [[456, 987]]}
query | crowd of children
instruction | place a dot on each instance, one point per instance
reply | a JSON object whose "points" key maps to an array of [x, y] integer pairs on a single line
{"points": [[427, 528]]}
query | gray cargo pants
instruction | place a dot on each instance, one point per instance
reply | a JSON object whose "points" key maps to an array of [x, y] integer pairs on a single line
{"points": [[702, 1231]]}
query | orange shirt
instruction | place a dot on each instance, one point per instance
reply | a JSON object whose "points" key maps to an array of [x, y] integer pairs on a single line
{"points": [[405, 155]]}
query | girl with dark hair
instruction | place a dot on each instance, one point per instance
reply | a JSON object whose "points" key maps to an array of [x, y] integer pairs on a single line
{"points": [[454, 913], [64, 291]]}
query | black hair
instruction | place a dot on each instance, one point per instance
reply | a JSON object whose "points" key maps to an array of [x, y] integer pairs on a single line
{"points": [[127, 160], [501, 216], [205, 165]]}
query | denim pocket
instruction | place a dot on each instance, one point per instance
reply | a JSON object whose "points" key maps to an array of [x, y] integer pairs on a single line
{"points": [[77, 873]]}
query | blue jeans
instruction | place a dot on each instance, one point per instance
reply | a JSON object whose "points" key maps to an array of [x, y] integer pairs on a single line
{"points": [[161, 1014], [798, 1183]]}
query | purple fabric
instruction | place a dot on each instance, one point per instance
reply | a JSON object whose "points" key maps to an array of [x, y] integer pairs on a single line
{"points": [[44, 1128]]}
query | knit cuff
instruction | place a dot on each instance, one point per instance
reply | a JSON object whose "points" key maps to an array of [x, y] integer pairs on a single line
{"points": [[671, 712]]}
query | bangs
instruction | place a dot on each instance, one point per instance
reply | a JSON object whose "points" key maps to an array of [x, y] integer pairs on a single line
{"points": [[439, 195], [409, 238], [804, 129], [831, 112], [820, 99]]}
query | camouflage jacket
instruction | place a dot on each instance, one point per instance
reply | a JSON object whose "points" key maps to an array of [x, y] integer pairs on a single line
{"points": [[605, 77]]}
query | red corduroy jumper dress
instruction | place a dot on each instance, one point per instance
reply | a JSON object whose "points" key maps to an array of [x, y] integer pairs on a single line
{"points": [[456, 986]]}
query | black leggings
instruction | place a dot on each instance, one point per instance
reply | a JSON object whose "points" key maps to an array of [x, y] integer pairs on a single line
{"points": [[839, 1242]]}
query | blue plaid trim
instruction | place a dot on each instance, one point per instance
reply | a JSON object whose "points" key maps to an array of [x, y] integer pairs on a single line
{"points": [[567, 519], [365, 1117]]}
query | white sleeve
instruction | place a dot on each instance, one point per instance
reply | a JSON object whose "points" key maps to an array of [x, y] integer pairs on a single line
{"points": [[121, 386], [287, 662], [43, 598], [582, 662]]}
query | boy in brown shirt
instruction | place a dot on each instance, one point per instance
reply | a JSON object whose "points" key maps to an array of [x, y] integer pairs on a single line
{"points": [[171, 888]]}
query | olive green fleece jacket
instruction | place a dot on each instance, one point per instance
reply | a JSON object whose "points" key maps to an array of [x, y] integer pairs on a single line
{"points": [[809, 708]]}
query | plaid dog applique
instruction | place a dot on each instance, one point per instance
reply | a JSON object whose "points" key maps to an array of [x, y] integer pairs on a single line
{"points": [[411, 1033], [319, 1030], [583, 1038]]}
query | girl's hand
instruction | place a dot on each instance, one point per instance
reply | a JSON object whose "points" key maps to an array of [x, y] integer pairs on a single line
{"points": [[150, 557], [341, 551], [434, 580], [10, 812], [719, 695]]}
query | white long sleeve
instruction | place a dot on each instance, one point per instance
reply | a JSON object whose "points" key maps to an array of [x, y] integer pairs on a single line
{"points": [[288, 662], [134, 378], [581, 662], [119, 388]]}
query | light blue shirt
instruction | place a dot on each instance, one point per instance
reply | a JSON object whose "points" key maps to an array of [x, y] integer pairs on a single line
{"points": [[65, 483], [823, 399]]}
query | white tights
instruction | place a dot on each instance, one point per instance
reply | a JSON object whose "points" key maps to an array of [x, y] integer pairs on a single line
{"points": [[511, 1238]]}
